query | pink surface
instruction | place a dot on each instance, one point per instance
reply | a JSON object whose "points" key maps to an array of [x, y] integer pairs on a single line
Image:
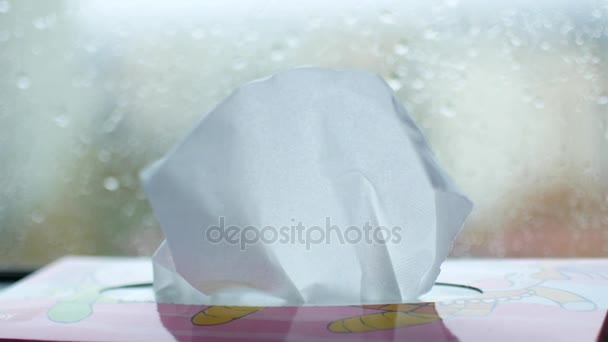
{"points": [[561, 300]]}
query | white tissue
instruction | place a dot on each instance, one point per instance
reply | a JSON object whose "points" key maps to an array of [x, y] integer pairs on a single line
{"points": [[307, 146]]}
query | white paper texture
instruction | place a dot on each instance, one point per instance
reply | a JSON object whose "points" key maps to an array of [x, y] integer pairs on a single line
{"points": [[305, 145]]}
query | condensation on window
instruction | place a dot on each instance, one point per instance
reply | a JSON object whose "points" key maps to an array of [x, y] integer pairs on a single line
{"points": [[513, 96]]}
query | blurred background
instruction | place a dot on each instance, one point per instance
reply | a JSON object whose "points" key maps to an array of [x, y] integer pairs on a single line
{"points": [[513, 96]]}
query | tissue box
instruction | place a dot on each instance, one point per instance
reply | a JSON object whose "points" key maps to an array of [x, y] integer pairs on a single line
{"points": [[106, 299]]}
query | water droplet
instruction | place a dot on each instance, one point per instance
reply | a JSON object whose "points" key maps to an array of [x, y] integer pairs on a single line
{"points": [[602, 100], [39, 23], [4, 36], [252, 37], [566, 28], [545, 46], [447, 112], [198, 33], [401, 49], [111, 184], [112, 123], [51, 19], [23, 81], [216, 30], [515, 41], [429, 74], [539, 103], [128, 210], [90, 47], [38, 217], [277, 55], [36, 50], [394, 83], [292, 42], [418, 84], [386, 17], [104, 156], [62, 121], [350, 20], [18, 32], [43, 23], [162, 88], [430, 35], [5, 6], [239, 65]]}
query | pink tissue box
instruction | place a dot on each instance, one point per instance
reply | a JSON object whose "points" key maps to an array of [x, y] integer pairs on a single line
{"points": [[105, 299]]}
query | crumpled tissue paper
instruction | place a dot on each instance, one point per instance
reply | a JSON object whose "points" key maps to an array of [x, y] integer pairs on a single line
{"points": [[310, 187]]}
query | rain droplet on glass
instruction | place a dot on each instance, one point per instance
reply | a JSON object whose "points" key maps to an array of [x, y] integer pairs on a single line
{"points": [[36, 50], [394, 83], [430, 34], [515, 41], [452, 3], [350, 20], [38, 217], [566, 28], [39, 23], [277, 55], [198, 33], [5, 6], [111, 184], [400, 49], [252, 37], [4, 36], [386, 17], [239, 64], [216, 30], [418, 84], [23, 81], [447, 112], [50, 20], [104, 156], [90, 47], [545, 46], [292, 42], [62, 121]]}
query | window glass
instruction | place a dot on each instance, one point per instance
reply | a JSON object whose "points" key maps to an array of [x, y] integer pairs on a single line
{"points": [[513, 96]]}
